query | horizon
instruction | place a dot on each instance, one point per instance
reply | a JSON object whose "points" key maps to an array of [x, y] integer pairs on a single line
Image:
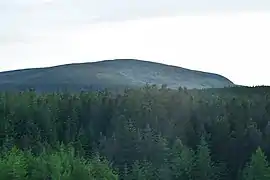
{"points": [[226, 38]]}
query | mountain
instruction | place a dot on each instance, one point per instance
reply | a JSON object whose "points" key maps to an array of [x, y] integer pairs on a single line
{"points": [[109, 74]]}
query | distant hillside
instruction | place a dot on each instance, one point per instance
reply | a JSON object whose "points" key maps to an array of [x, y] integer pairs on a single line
{"points": [[109, 74]]}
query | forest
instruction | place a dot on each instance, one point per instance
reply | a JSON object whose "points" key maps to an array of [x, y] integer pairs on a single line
{"points": [[149, 133]]}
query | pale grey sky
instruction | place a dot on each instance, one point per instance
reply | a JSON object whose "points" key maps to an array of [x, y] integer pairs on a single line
{"points": [[229, 37]]}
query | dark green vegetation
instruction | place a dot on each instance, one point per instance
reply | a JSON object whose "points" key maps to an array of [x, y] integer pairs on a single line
{"points": [[114, 74], [144, 134], [60, 164]]}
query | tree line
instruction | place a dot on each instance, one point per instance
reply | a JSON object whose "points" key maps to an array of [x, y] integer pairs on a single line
{"points": [[148, 133]]}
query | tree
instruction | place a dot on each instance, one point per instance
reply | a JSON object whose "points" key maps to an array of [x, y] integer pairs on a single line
{"points": [[204, 167], [142, 171], [182, 161], [257, 168]]}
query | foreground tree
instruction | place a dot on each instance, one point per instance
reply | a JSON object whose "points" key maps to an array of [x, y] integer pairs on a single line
{"points": [[182, 161], [257, 168], [58, 165], [204, 167]]}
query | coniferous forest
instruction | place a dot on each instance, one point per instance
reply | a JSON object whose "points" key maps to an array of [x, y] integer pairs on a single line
{"points": [[140, 134]]}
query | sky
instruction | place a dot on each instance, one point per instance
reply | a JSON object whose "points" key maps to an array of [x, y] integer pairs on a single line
{"points": [[229, 37]]}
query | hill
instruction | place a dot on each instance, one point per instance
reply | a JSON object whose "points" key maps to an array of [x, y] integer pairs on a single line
{"points": [[109, 74]]}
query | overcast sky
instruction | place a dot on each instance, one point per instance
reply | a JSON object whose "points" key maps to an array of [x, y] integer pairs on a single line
{"points": [[228, 37]]}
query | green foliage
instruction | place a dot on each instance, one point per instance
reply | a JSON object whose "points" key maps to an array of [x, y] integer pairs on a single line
{"points": [[204, 167], [59, 165], [142, 171], [147, 133], [258, 168], [13, 165], [182, 161]]}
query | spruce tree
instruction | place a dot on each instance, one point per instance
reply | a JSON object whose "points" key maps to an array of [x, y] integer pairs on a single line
{"points": [[257, 168], [204, 167], [182, 161]]}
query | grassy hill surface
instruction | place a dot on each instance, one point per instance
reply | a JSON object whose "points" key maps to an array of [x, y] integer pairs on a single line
{"points": [[109, 74]]}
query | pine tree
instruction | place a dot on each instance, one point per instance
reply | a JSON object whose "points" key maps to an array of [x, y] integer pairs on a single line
{"points": [[204, 167], [182, 161], [258, 168], [142, 171]]}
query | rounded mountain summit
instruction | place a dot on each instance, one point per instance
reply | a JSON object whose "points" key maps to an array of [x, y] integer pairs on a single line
{"points": [[115, 73]]}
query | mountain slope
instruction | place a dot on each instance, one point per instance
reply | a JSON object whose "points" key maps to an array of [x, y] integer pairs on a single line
{"points": [[109, 73]]}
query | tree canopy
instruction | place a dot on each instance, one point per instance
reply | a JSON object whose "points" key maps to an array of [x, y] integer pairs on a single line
{"points": [[148, 133]]}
